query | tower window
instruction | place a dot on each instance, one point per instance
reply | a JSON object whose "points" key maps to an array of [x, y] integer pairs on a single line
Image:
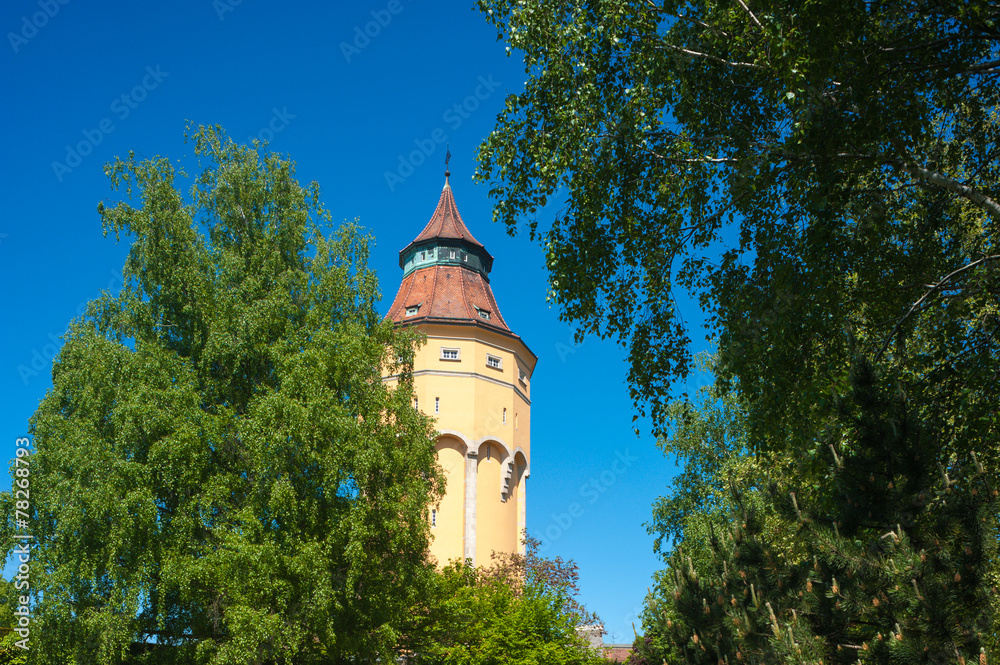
{"points": [[488, 453], [505, 415], [515, 421], [416, 403], [437, 405], [521, 376], [483, 314], [452, 254], [450, 354], [434, 518], [465, 257], [423, 256], [496, 362], [412, 310]]}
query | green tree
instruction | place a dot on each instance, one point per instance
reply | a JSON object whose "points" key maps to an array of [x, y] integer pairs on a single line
{"points": [[219, 467], [851, 149], [707, 435], [10, 652], [866, 551], [520, 609], [824, 179]]}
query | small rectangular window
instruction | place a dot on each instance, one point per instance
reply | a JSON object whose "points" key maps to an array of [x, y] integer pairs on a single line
{"points": [[495, 362], [450, 354], [437, 405], [416, 403], [505, 415], [483, 314], [465, 257], [521, 376], [434, 518], [411, 311], [452, 254]]}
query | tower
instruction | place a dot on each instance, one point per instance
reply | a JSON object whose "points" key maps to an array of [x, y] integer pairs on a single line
{"points": [[473, 376]]}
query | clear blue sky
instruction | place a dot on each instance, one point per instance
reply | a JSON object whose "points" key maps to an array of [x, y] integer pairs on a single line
{"points": [[83, 82]]}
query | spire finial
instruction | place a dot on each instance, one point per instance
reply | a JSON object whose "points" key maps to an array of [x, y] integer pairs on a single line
{"points": [[447, 158]]}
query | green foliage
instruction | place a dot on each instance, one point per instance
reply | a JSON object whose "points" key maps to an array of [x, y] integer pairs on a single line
{"points": [[850, 148], [519, 610], [219, 467], [824, 179], [884, 552], [708, 434], [10, 653]]}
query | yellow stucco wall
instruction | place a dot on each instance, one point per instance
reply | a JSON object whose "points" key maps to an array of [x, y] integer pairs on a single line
{"points": [[491, 528], [448, 524], [476, 404]]}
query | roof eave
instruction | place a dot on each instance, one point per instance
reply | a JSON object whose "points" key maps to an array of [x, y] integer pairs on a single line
{"points": [[468, 323]]}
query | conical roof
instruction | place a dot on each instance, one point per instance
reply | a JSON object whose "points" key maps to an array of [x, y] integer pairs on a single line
{"points": [[446, 224], [446, 286], [447, 294]]}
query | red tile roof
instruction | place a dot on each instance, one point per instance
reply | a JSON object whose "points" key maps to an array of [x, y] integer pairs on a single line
{"points": [[617, 653], [446, 222], [447, 293]]}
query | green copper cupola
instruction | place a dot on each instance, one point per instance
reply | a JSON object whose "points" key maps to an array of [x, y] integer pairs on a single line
{"points": [[446, 241]]}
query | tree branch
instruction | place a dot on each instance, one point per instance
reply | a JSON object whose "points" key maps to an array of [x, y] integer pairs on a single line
{"points": [[702, 24], [943, 181], [987, 67], [696, 160], [929, 292], [744, 6], [714, 58]]}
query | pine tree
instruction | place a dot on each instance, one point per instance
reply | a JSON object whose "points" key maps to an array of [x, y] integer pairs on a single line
{"points": [[881, 550]]}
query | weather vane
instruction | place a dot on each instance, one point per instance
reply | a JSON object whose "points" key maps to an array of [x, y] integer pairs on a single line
{"points": [[447, 158]]}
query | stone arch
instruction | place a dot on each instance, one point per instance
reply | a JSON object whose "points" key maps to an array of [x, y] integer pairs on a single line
{"points": [[507, 452], [527, 465], [518, 495], [497, 519], [451, 453], [490, 446], [448, 516], [457, 435]]}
